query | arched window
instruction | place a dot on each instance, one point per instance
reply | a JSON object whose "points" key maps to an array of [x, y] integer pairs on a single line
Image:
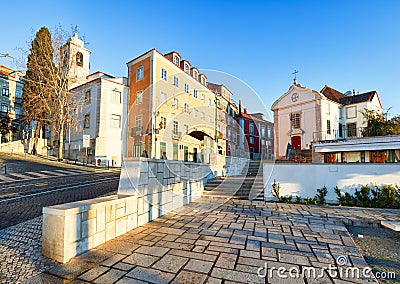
{"points": [[79, 59]]}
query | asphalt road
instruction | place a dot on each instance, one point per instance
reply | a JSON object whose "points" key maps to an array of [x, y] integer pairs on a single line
{"points": [[31, 184]]}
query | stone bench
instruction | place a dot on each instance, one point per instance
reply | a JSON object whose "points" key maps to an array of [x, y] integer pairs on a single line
{"points": [[73, 228]]}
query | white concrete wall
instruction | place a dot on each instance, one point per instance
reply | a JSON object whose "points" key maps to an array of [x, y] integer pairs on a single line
{"points": [[24, 146], [304, 179], [73, 228], [161, 185]]}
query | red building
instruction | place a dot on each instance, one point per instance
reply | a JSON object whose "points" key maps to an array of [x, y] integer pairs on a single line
{"points": [[257, 134]]}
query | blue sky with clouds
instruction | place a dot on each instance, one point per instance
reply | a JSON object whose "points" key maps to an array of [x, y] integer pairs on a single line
{"points": [[344, 44]]}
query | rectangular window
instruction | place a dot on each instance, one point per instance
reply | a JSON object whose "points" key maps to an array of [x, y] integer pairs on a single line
{"points": [[5, 92], [163, 123], [195, 93], [163, 150], [139, 73], [176, 81], [328, 126], [195, 112], [86, 121], [340, 130], [351, 129], [351, 112], [328, 108], [176, 60], [175, 129], [269, 132], [115, 121], [116, 97], [175, 103], [186, 128], [251, 129], [186, 108], [186, 88], [203, 116], [139, 97], [4, 108], [203, 98], [209, 102], [138, 125], [295, 117], [87, 97], [163, 74], [263, 132], [175, 152]]}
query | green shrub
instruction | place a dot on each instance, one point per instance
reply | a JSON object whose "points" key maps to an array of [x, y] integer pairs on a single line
{"points": [[298, 199], [275, 191], [286, 199], [321, 194], [362, 197], [344, 200], [310, 201]]}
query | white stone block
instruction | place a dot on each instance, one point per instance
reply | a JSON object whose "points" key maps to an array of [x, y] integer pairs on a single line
{"points": [[132, 221], [101, 219], [121, 226], [143, 219], [99, 238], [110, 230]]}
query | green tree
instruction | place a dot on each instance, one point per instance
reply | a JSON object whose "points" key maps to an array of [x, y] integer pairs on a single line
{"points": [[377, 125], [48, 77], [6, 127], [37, 92]]}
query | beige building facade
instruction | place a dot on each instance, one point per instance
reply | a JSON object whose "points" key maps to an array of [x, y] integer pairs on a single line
{"points": [[303, 116]]}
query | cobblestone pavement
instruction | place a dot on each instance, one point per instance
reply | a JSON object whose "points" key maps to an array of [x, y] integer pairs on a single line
{"points": [[228, 243], [20, 252]]}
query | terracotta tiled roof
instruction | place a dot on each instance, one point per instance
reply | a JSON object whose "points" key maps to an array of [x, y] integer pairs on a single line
{"points": [[5, 70], [332, 94], [365, 97]]}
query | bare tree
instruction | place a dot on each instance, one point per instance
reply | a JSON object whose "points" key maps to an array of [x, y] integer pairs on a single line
{"points": [[49, 100]]}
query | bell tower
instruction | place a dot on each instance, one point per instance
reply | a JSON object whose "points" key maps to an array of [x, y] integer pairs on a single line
{"points": [[78, 61]]}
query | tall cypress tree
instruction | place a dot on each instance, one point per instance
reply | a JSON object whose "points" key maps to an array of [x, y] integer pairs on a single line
{"points": [[38, 93]]}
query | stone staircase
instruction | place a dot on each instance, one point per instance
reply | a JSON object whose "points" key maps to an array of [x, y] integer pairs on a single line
{"points": [[247, 186]]}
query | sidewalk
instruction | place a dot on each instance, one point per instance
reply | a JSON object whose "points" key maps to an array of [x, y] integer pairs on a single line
{"points": [[213, 240]]}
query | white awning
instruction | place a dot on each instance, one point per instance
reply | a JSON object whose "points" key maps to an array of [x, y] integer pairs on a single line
{"points": [[344, 147]]}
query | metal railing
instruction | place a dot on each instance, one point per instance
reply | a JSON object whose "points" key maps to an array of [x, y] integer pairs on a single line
{"points": [[347, 133]]}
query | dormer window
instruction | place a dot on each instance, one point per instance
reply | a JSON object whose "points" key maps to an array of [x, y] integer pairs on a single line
{"points": [[79, 59], [195, 75], [203, 81], [187, 68], [176, 60]]}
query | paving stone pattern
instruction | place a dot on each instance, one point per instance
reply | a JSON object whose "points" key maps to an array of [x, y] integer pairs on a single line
{"points": [[229, 243]]}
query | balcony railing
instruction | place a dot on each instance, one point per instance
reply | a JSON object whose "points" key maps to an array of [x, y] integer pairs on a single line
{"points": [[348, 133]]}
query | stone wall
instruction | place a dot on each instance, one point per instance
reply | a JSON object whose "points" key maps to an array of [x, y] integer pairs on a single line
{"points": [[73, 228], [304, 179], [161, 185], [24, 146], [147, 190]]}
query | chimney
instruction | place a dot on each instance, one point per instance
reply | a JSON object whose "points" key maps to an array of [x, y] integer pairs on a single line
{"points": [[240, 107]]}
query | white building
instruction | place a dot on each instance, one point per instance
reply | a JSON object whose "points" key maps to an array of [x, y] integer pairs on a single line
{"points": [[103, 117], [303, 116], [102, 112]]}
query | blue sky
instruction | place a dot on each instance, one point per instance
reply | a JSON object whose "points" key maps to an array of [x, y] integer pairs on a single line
{"points": [[344, 44]]}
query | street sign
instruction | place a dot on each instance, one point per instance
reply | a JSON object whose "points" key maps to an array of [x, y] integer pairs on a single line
{"points": [[86, 141]]}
